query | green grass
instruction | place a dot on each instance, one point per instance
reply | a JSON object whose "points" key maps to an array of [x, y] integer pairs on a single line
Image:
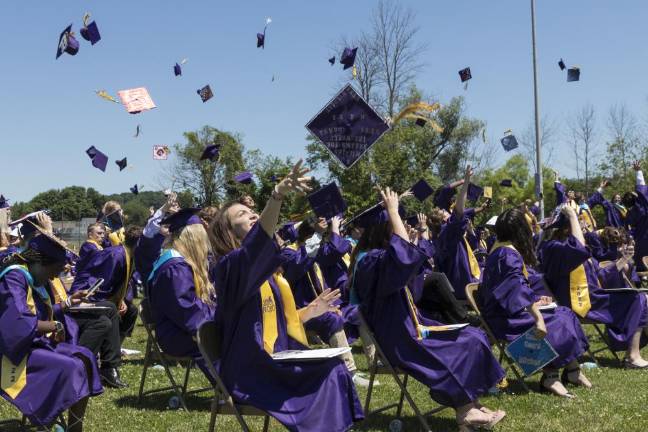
{"points": [[617, 403]]}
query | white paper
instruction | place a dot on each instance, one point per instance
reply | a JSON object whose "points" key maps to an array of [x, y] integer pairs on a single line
{"points": [[314, 354], [549, 306], [626, 290], [126, 351]]}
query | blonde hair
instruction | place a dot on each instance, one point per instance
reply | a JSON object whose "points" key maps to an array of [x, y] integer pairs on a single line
{"points": [[4, 228], [110, 207], [193, 244]]}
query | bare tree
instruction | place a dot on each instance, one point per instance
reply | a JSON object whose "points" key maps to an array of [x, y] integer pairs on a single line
{"points": [[624, 145], [548, 131], [582, 126], [367, 66], [398, 53]]}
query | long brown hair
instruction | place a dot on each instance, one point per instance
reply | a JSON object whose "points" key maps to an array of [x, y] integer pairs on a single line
{"points": [[511, 226], [221, 233], [374, 237]]}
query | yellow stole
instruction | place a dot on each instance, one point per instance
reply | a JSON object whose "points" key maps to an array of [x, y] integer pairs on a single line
{"points": [[269, 311], [510, 246], [586, 216], [117, 237], [475, 271], [121, 294], [579, 291], [58, 289], [13, 378], [99, 247], [347, 259]]}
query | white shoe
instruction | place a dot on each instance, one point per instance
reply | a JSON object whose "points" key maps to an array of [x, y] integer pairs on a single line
{"points": [[360, 381]]}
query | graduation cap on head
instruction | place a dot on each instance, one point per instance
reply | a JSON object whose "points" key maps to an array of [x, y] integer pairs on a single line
{"points": [[244, 177], [182, 218], [49, 246], [121, 163], [288, 232], [509, 142], [134, 190], [205, 93], [421, 190], [465, 74], [561, 64], [374, 215], [474, 192], [28, 222], [3, 202], [90, 32], [327, 201], [67, 43], [99, 159], [573, 74], [506, 183], [348, 57], [332, 60], [177, 70], [211, 152]]}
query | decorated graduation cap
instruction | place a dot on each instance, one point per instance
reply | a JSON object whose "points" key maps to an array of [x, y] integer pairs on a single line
{"points": [[509, 142], [421, 190], [90, 31], [488, 192], [67, 43], [327, 201], [50, 247], [182, 218], [561, 64], [4, 203], [27, 223], [205, 93], [244, 177], [506, 183], [465, 74], [211, 152], [332, 60], [474, 192], [134, 190], [348, 57], [99, 159], [573, 74], [121, 163]]}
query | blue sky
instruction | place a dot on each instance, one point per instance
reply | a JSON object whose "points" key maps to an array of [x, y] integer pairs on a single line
{"points": [[50, 114]]}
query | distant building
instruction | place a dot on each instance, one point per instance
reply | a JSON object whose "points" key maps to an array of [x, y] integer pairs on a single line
{"points": [[73, 232]]}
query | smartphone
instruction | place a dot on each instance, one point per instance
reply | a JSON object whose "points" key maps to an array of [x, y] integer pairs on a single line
{"points": [[95, 287]]}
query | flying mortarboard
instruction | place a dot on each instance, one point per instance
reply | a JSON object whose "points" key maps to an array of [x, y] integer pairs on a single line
{"points": [[509, 142], [506, 183], [420, 122], [348, 57], [573, 74], [488, 192], [561, 64], [465, 74], [374, 215], [138, 130], [182, 218], [160, 152], [121, 163], [421, 190], [90, 32], [136, 100], [67, 43], [177, 70], [99, 159], [211, 152], [244, 177], [327, 201], [474, 192], [261, 36], [135, 190], [332, 60], [205, 93], [3, 202]]}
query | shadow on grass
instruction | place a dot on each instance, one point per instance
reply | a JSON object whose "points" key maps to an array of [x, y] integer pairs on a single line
{"points": [[160, 401], [410, 423]]}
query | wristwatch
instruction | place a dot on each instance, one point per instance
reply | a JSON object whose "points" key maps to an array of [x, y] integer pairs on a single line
{"points": [[59, 327]]}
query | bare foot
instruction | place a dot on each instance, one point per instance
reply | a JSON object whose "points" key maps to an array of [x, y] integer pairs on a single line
{"points": [[578, 378], [553, 385]]}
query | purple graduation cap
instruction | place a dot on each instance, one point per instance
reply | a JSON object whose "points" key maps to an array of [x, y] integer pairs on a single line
{"points": [[261, 40], [134, 190], [509, 142], [182, 218], [374, 215], [244, 177], [287, 232], [573, 74], [4, 203], [177, 70], [412, 220], [211, 152], [421, 190], [205, 93], [91, 33], [348, 57], [561, 64], [474, 192], [421, 122], [465, 74], [506, 183], [332, 60], [99, 159], [67, 43], [121, 163], [327, 201], [49, 246]]}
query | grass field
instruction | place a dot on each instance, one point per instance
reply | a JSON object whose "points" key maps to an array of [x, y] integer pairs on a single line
{"points": [[618, 402]]}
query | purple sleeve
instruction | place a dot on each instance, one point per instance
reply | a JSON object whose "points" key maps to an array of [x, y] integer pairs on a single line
{"points": [[295, 263], [109, 265], [594, 244], [512, 291], [610, 277], [239, 274], [561, 258], [642, 196], [398, 265], [427, 247], [332, 251], [453, 232], [561, 193], [17, 322], [147, 251], [470, 213], [87, 248]]}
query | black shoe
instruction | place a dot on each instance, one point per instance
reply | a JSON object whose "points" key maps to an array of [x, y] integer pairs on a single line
{"points": [[110, 377]]}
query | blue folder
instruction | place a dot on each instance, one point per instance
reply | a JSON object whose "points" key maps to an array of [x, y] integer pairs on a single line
{"points": [[531, 353]]}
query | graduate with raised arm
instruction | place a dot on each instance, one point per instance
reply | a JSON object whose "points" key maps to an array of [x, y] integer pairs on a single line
{"points": [[563, 196], [638, 218], [573, 276], [615, 211], [258, 315], [456, 365], [621, 271], [510, 306], [454, 256], [43, 372]]}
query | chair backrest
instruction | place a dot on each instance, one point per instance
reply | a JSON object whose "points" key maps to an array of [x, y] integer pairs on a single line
{"points": [[471, 290], [145, 313], [208, 339]]}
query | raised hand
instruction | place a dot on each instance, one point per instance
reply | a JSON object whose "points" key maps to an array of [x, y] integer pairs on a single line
{"points": [[322, 304], [336, 221], [636, 165], [295, 181], [390, 199]]}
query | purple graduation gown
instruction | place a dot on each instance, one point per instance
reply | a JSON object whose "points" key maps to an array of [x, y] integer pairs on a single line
{"points": [[309, 396], [613, 216], [56, 376], [457, 366], [622, 313], [146, 252], [599, 250], [504, 297], [452, 256], [87, 250], [638, 219], [109, 264]]}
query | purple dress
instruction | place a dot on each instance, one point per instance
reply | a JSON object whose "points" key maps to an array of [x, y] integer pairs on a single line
{"points": [[613, 215], [504, 297], [310, 396], [622, 313], [638, 219], [452, 254], [56, 375], [457, 366]]}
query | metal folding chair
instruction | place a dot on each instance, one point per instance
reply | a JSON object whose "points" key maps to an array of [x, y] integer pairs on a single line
{"points": [[154, 352], [375, 368], [209, 344], [471, 289]]}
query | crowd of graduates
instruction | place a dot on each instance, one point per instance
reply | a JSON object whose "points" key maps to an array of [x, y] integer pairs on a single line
{"points": [[271, 287]]}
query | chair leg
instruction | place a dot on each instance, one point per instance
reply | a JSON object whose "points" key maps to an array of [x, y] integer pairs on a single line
{"points": [[372, 376], [411, 402], [266, 423], [147, 359], [167, 369], [212, 418], [186, 378], [402, 397], [607, 343]]}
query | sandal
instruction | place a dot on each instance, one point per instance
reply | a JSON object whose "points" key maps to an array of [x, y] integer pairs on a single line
{"points": [[545, 389], [473, 426], [627, 364]]}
